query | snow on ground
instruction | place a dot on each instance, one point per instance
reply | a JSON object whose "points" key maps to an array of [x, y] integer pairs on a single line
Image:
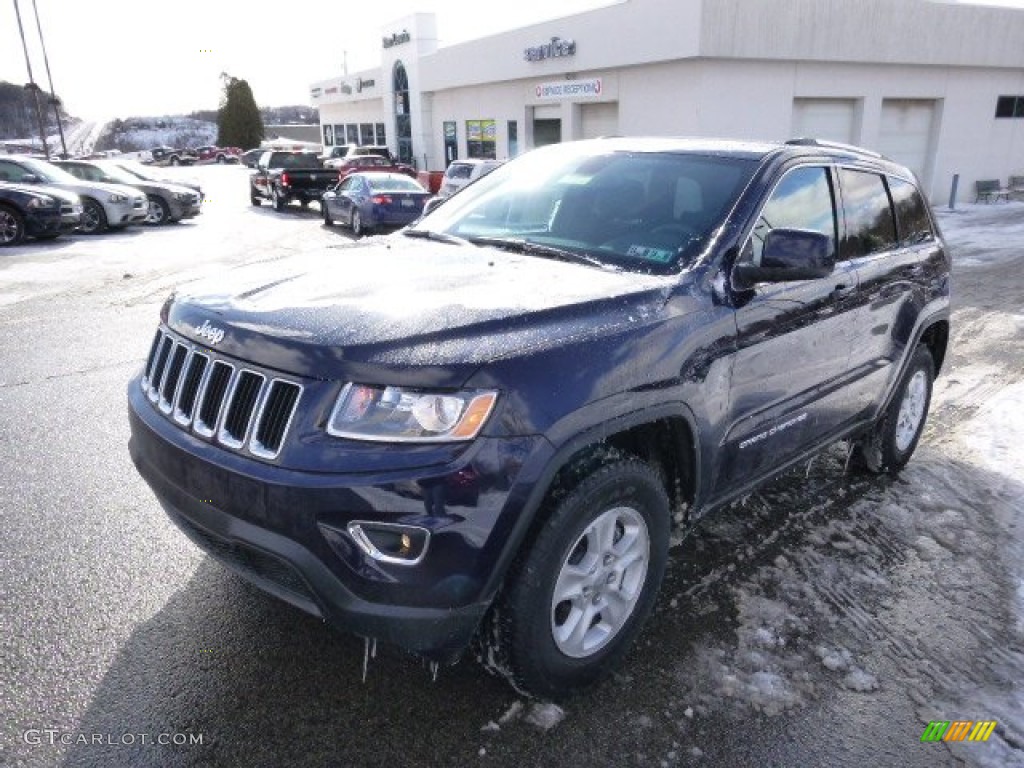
{"points": [[990, 232]]}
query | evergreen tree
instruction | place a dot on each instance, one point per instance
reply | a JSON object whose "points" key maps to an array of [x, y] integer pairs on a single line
{"points": [[239, 123]]}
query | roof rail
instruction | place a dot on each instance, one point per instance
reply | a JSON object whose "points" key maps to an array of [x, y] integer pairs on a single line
{"points": [[809, 142]]}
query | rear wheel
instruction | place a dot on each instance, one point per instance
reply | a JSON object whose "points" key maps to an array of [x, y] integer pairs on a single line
{"points": [[276, 200], [584, 586], [12, 226], [175, 160], [891, 442], [221, 159], [94, 219]]}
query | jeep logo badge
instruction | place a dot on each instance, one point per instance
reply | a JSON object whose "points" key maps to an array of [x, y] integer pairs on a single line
{"points": [[209, 332]]}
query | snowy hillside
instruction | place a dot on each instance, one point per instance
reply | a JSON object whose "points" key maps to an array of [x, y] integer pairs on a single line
{"points": [[135, 133]]}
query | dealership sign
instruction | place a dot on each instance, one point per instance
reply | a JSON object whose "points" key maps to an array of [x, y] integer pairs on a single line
{"points": [[553, 50], [567, 89]]}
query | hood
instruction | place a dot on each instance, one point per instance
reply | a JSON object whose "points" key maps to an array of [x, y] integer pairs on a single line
{"points": [[93, 188], [44, 189], [410, 305]]}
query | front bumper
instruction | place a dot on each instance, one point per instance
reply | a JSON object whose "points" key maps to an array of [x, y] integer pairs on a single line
{"points": [[184, 209], [131, 211], [285, 530]]}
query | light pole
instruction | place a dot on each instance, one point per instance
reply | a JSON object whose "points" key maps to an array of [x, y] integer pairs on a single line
{"points": [[53, 96], [31, 86]]}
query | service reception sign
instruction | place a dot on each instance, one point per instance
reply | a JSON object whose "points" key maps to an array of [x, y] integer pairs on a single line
{"points": [[569, 89]]}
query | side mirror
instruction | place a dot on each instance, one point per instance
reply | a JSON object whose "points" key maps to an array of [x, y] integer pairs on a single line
{"points": [[432, 204], [30, 178], [788, 254]]}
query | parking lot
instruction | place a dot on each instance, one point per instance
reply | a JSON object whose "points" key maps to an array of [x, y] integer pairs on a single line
{"points": [[823, 621]]}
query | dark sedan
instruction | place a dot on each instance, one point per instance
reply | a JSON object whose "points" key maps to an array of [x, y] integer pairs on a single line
{"points": [[36, 211], [365, 201]]}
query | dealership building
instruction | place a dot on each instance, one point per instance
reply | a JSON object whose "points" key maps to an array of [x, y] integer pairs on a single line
{"points": [[937, 86]]}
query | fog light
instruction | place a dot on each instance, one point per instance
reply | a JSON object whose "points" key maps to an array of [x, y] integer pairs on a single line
{"points": [[390, 542]]}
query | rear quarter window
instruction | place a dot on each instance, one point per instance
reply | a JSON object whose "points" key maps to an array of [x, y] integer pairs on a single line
{"points": [[912, 221]]}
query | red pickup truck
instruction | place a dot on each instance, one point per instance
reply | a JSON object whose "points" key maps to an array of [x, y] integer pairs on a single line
{"points": [[372, 163], [211, 154]]}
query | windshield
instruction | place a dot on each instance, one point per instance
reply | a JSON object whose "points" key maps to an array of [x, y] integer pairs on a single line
{"points": [[651, 212], [118, 174], [138, 171], [48, 172]]}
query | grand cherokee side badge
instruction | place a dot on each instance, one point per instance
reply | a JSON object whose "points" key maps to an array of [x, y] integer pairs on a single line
{"points": [[209, 332]]}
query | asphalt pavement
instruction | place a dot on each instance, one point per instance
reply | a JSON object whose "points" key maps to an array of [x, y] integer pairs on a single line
{"points": [[821, 622]]}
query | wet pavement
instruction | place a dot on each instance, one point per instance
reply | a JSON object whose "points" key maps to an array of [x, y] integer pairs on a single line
{"points": [[822, 621]]}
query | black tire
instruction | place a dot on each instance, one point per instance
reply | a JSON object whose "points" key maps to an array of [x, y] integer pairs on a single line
{"points": [[159, 211], [356, 223], [328, 221], [891, 442], [518, 639], [254, 200], [175, 160], [12, 226], [94, 218], [277, 201], [221, 159]]}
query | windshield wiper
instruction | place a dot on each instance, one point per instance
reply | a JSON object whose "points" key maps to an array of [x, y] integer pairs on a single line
{"points": [[527, 246], [440, 237]]}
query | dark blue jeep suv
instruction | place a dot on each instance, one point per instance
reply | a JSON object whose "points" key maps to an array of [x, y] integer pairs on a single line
{"points": [[482, 429]]}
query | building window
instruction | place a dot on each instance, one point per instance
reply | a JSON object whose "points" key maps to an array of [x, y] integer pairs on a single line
{"points": [[366, 134], [382, 138], [403, 119], [352, 133], [1010, 106], [481, 138], [328, 135], [513, 139]]}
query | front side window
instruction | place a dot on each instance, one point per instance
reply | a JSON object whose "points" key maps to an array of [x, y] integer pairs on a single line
{"points": [[870, 227], [802, 200]]}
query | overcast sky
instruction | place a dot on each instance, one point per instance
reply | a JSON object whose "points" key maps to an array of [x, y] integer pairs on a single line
{"points": [[117, 58]]}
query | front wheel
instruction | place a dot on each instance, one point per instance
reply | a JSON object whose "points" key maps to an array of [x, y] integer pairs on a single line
{"points": [[12, 226], [357, 223], [159, 212], [328, 221], [891, 442], [585, 585], [94, 219]]}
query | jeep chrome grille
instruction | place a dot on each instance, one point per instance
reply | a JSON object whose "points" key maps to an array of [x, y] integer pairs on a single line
{"points": [[238, 407]]}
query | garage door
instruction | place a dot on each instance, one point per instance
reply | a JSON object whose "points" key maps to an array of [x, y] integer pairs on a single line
{"points": [[905, 133], [830, 119], [599, 120]]}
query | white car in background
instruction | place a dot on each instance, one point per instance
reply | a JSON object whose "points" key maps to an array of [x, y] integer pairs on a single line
{"points": [[463, 172], [104, 206]]}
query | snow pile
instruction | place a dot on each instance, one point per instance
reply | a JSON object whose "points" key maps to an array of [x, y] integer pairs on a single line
{"points": [[981, 234]]}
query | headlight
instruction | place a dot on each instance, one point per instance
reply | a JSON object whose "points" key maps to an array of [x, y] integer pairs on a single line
{"points": [[41, 202], [117, 198], [397, 414], [183, 197]]}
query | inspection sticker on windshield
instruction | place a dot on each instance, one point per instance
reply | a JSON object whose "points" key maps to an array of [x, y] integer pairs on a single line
{"points": [[651, 254]]}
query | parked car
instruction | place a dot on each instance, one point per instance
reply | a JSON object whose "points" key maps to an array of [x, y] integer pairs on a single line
{"points": [[104, 206], [335, 155], [376, 163], [366, 201], [36, 211], [251, 157], [608, 339], [172, 156], [213, 154], [285, 176], [166, 202], [463, 172], [146, 173]]}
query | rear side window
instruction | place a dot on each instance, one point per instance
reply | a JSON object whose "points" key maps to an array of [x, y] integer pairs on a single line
{"points": [[911, 213], [870, 226], [802, 200], [459, 171]]}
